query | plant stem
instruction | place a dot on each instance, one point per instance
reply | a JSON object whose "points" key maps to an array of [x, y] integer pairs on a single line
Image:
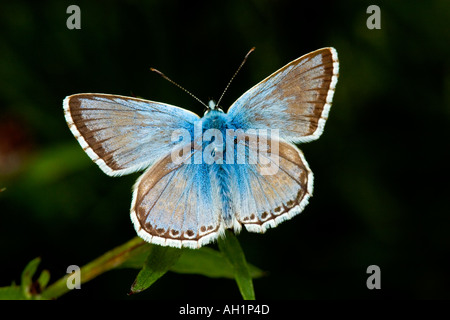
{"points": [[232, 250], [106, 262]]}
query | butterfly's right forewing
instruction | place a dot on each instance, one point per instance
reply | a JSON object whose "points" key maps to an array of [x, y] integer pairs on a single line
{"points": [[295, 99]]}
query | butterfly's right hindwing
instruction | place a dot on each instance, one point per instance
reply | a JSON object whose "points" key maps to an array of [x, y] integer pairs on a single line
{"points": [[274, 185]]}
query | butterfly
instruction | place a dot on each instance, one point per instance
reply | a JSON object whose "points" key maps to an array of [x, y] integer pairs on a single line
{"points": [[190, 203]]}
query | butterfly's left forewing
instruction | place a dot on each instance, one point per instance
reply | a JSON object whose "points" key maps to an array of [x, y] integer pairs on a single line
{"points": [[123, 134]]}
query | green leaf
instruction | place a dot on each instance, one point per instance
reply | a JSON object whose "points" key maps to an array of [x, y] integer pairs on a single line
{"points": [[209, 262], [232, 250], [137, 259], [28, 288], [12, 293], [43, 279], [204, 261], [157, 264], [27, 276]]}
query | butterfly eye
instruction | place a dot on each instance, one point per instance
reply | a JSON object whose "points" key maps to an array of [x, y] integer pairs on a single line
{"points": [[211, 105]]}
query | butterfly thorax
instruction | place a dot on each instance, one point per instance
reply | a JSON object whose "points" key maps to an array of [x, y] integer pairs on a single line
{"points": [[215, 124], [214, 119], [214, 130]]}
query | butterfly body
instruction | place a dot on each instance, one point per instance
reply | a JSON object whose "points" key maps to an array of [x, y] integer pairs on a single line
{"points": [[215, 119], [215, 127], [224, 170]]}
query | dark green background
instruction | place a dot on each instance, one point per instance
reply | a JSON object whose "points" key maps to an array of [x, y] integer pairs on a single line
{"points": [[381, 167]]}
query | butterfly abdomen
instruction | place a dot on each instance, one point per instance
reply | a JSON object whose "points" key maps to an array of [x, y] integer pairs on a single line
{"points": [[221, 177], [215, 125]]}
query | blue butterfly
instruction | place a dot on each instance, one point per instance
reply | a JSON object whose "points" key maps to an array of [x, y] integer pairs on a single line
{"points": [[190, 203]]}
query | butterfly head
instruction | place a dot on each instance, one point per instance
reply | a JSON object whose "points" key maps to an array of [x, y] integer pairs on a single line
{"points": [[212, 106]]}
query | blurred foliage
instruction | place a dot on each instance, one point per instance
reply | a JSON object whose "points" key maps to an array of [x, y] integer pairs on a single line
{"points": [[371, 204]]}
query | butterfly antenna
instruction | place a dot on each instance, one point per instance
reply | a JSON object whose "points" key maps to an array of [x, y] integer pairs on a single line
{"points": [[173, 82], [234, 75]]}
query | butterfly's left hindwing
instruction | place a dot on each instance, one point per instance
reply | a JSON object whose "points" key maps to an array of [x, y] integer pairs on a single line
{"points": [[175, 204], [123, 134]]}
